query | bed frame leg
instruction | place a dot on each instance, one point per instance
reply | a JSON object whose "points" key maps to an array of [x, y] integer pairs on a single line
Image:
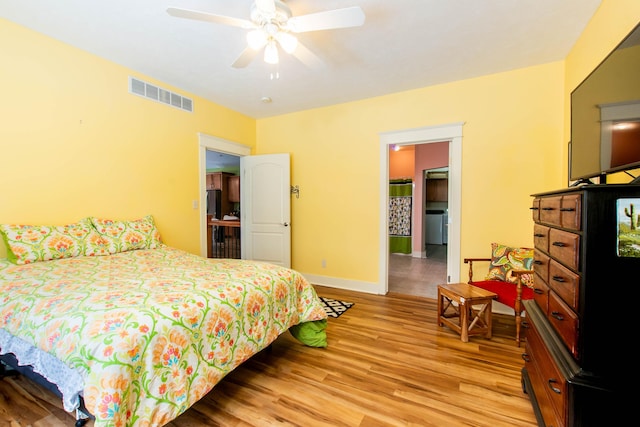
{"points": [[81, 418], [6, 371]]}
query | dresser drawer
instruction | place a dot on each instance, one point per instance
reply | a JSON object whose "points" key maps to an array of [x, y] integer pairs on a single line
{"points": [[550, 210], [549, 385], [565, 322], [541, 264], [541, 293], [565, 282], [541, 237], [564, 246], [535, 209], [571, 212]]}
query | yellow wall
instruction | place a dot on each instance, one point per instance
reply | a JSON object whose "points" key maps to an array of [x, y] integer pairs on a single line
{"points": [[511, 148], [74, 142], [515, 144]]}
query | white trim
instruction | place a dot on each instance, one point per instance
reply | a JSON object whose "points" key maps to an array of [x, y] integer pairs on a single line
{"points": [[620, 111], [338, 283], [450, 132], [212, 143]]}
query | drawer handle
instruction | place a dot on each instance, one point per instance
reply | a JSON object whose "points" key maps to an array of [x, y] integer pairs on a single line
{"points": [[525, 324], [559, 244], [567, 209], [556, 315], [537, 262], [538, 235], [526, 357], [538, 291], [551, 386], [548, 209], [533, 208], [559, 279]]}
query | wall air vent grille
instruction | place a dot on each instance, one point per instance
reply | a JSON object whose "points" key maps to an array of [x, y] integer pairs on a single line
{"points": [[149, 91]]}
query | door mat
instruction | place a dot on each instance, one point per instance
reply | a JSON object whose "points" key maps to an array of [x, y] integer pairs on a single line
{"points": [[335, 308]]}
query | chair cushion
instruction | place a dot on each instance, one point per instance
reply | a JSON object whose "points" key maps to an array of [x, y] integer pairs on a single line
{"points": [[506, 291], [505, 258]]}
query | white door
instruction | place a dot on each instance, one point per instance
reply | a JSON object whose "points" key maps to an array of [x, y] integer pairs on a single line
{"points": [[265, 202]]}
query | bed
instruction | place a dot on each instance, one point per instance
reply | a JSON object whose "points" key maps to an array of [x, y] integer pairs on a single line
{"points": [[136, 334]]}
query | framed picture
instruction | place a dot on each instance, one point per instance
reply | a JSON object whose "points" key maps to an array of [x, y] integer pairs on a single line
{"points": [[628, 220]]}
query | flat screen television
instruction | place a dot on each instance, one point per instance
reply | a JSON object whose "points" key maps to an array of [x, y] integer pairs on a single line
{"points": [[605, 116]]}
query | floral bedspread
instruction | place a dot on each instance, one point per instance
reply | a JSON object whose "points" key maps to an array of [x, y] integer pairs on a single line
{"points": [[151, 331]]}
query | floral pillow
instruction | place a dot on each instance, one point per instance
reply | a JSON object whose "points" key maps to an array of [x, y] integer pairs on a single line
{"points": [[504, 259], [125, 236], [32, 243]]}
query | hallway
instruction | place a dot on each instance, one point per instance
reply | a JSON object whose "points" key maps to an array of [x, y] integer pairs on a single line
{"points": [[418, 276]]}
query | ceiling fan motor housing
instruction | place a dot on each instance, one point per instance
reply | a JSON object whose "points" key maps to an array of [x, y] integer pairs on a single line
{"points": [[279, 17]]}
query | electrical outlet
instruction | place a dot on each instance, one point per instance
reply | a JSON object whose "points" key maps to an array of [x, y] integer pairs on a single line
{"points": [[323, 263]]}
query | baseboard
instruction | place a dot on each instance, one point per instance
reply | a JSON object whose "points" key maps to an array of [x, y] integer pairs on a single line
{"points": [[349, 285], [497, 307]]}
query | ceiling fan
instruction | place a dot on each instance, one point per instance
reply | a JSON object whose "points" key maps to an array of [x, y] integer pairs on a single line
{"points": [[271, 26]]}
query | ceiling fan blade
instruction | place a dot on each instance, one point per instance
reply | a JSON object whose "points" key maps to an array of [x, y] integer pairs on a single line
{"points": [[209, 17], [337, 18], [307, 57], [245, 58]]}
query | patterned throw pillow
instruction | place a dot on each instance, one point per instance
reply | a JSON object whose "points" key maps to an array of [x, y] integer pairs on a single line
{"points": [[125, 236], [505, 258], [32, 243]]}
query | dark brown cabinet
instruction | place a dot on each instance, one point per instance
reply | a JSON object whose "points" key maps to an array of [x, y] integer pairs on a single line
{"points": [[574, 362], [226, 182], [437, 190], [234, 188], [218, 181]]}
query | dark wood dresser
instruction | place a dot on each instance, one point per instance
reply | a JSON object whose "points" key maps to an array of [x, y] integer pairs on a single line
{"points": [[579, 325]]}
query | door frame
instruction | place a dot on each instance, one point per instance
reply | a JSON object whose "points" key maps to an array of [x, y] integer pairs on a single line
{"points": [[453, 134], [212, 143]]}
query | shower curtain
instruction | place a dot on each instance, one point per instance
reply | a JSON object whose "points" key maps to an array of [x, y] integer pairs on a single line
{"points": [[400, 192]]}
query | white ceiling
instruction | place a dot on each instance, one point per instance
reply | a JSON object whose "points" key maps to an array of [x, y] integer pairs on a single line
{"points": [[403, 45]]}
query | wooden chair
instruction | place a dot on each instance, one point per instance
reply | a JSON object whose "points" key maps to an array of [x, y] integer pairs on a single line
{"points": [[509, 294]]}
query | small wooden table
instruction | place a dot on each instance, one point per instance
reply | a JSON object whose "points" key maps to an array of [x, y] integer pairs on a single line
{"points": [[470, 320]]}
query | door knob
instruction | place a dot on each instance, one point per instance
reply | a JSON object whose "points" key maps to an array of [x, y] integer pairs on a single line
{"points": [[286, 224]]}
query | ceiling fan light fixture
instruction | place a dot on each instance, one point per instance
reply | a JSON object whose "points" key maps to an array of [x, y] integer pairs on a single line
{"points": [[256, 39], [271, 53], [271, 25], [288, 41]]}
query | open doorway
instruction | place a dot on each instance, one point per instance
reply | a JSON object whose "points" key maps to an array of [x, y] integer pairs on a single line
{"points": [[452, 134], [210, 147], [418, 269], [274, 172], [223, 205]]}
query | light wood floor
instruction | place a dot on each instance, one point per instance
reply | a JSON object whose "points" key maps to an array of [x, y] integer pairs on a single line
{"points": [[387, 364], [418, 276]]}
